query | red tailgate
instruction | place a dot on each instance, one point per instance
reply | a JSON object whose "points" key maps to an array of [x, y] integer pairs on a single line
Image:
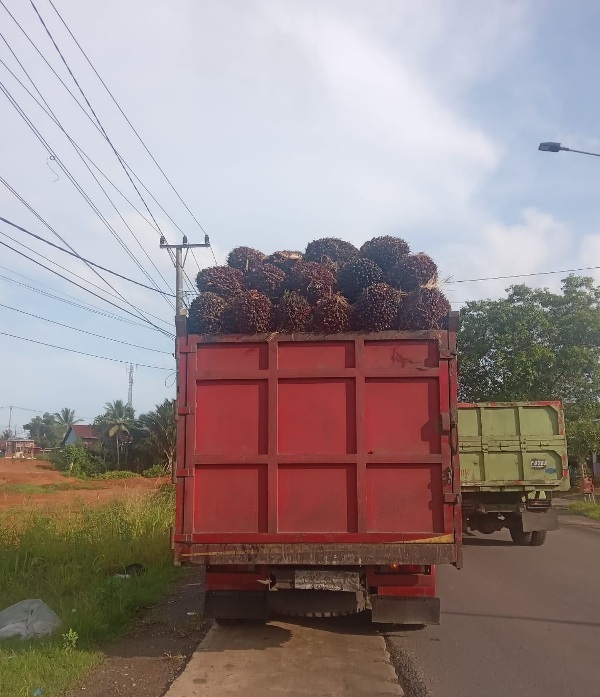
{"points": [[343, 440]]}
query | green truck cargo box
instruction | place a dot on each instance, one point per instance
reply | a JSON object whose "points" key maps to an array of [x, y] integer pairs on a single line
{"points": [[513, 446], [513, 456]]}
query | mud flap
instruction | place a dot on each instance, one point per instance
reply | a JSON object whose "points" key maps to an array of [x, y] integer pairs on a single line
{"points": [[392, 610], [539, 520], [236, 605]]}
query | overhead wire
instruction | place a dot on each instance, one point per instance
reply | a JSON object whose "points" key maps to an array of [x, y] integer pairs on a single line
{"points": [[81, 278], [75, 302], [103, 130], [53, 155], [524, 275], [84, 331], [87, 290], [85, 196], [139, 137], [82, 353], [85, 112], [77, 256]]}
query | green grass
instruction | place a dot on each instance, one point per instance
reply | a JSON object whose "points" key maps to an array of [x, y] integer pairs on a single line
{"points": [[42, 488], [591, 510], [68, 560]]}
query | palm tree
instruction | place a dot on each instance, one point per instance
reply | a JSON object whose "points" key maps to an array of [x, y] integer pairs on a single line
{"points": [[161, 427], [116, 421], [65, 419]]}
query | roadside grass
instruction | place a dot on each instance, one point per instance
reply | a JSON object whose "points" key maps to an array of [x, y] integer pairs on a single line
{"points": [[591, 510], [68, 558], [23, 488]]}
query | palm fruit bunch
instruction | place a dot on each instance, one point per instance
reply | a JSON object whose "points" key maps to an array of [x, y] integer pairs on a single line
{"points": [[285, 260], [249, 312], [413, 272], [268, 279], [293, 314], [332, 314], [206, 314], [357, 275], [385, 251], [377, 309], [333, 287], [222, 280], [330, 251], [312, 280], [245, 258], [426, 308]]}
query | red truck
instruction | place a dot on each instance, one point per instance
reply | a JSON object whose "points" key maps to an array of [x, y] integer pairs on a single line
{"points": [[318, 475]]}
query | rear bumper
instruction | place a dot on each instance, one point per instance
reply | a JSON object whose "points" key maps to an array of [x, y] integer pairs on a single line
{"points": [[343, 554]]}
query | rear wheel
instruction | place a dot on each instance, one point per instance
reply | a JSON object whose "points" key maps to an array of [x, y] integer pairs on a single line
{"points": [[518, 536], [538, 538]]}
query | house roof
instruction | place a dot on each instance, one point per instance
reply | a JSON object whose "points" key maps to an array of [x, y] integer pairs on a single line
{"points": [[84, 431]]}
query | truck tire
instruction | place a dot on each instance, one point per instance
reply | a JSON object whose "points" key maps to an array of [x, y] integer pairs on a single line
{"points": [[519, 537], [538, 537]]}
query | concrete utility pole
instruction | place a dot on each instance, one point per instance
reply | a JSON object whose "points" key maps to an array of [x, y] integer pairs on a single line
{"points": [[130, 393], [180, 309]]}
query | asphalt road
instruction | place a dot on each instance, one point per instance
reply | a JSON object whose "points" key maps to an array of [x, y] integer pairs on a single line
{"points": [[518, 621]]}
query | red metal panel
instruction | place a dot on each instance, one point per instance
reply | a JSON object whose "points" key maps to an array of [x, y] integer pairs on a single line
{"points": [[404, 497], [316, 417], [231, 417], [231, 499], [402, 416], [317, 498], [319, 439]]}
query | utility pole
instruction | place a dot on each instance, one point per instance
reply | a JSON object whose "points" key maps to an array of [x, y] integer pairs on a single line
{"points": [[180, 309], [130, 393]]}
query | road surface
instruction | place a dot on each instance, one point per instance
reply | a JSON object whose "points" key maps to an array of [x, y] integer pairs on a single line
{"points": [[518, 621]]}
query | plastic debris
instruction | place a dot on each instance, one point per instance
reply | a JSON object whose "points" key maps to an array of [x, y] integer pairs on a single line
{"points": [[28, 619]]}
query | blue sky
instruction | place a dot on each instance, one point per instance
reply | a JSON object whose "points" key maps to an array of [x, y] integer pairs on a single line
{"points": [[279, 122]]}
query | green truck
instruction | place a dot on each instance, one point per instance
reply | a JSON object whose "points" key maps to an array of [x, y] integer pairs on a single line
{"points": [[513, 457]]}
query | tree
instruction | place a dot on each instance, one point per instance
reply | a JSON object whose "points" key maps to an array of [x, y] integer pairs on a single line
{"points": [[161, 429], [114, 425], [533, 345], [537, 345], [7, 433], [65, 419], [44, 431]]}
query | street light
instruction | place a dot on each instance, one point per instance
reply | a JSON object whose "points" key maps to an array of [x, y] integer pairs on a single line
{"points": [[557, 147]]}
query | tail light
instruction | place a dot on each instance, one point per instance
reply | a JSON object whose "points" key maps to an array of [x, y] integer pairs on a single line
{"points": [[407, 569]]}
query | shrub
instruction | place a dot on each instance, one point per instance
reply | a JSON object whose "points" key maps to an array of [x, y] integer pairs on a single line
{"points": [[154, 471]]}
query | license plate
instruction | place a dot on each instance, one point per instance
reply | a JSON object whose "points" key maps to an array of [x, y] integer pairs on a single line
{"points": [[327, 580], [538, 464]]}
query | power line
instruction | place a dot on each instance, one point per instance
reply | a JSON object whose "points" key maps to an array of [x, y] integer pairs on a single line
{"points": [[100, 130], [85, 196], [82, 353], [81, 278], [78, 256], [80, 304], [88, 200], [122, 309], [139, 137], [524, 275], [83, 331], [87, 101]]}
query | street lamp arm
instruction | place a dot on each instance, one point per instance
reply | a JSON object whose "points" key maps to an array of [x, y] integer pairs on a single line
{"points": [[557, 147], [582, 152]]}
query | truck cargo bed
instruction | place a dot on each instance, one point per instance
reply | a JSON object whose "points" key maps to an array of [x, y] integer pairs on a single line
{"points": [[318, 449]]}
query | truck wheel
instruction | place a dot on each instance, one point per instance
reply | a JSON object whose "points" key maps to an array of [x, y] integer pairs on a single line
{"points": [[518, 536], [538, 538]]}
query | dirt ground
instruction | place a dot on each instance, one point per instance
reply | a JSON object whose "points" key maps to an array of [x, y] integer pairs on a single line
{"points": [[42, 473], [156, 649]]}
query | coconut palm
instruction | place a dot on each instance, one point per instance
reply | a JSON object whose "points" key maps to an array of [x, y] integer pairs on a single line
{"points": [[65, 419], [161, 429], [115, 423]]}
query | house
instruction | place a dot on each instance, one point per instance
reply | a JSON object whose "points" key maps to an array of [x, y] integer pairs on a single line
{"points": [[21, 447], [81, 433]]}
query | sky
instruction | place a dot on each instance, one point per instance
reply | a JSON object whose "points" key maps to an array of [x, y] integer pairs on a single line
{"points": [[277, 122]]}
